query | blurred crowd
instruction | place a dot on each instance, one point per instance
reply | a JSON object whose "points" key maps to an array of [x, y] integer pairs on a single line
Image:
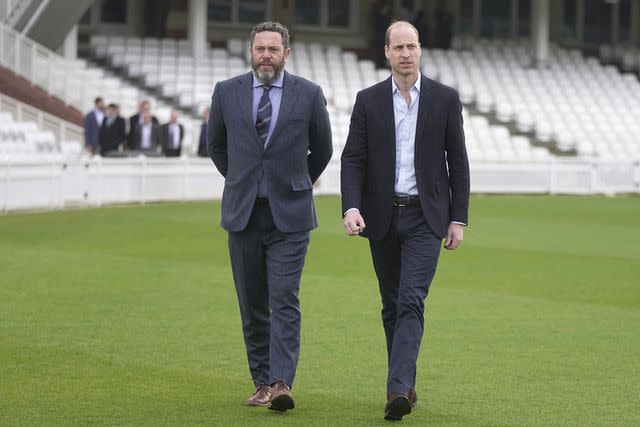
{"points": [[110, 135]]}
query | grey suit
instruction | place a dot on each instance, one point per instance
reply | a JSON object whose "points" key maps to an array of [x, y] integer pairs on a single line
{"points": [[268, 240]]}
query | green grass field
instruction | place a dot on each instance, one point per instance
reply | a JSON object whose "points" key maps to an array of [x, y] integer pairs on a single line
{"points": [[128, 316]]}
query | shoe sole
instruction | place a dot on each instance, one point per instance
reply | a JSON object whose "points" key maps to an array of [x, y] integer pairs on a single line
{"points": [[255, 404], [397, 408], [281, 403]]}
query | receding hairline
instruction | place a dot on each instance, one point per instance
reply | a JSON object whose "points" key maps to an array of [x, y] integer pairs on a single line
{"points": [[396, 24]]}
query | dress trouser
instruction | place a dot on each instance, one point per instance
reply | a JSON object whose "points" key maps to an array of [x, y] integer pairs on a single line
{"points": [[405, 262], [267, 266]]}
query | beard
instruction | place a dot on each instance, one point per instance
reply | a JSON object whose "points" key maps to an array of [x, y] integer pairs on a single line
{"points": [[267, 76]]}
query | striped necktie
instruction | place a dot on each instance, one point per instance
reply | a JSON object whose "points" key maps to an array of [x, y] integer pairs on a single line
{"points": [[263, 118]]}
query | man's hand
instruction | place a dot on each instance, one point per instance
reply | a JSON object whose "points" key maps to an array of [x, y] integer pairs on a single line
{"points": [[454, 236], [353, 223]]}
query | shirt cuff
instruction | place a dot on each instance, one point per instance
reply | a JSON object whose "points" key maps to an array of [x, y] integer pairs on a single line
{"points": [[351, 210], [456, 222]]}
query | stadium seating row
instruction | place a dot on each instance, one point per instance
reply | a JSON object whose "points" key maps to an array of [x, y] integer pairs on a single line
{"points": [[627, 56], [576, 101], [341, 75], [25, 141]]}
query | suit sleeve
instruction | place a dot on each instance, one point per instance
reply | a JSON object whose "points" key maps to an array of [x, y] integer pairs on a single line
{"points": [[354, 159], [122, 134], [87, 129], [320, 143], [163, 138], [458, 163], [217, 134]]}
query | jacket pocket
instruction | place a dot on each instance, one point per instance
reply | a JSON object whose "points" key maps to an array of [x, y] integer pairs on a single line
{"points": [[440, 187], [301, 184]]}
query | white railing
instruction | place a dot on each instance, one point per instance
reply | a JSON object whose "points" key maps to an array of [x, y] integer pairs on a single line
{"points": [[64, 131], [12, 10], [44, 68], [98, 181]]}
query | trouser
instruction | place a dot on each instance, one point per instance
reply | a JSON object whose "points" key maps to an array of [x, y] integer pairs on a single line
{"points": [[267, 266], [405, 262]]}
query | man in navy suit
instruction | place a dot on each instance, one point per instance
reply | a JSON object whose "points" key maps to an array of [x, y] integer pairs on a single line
{"points": [[269, 136], [405, 172], [202, 141], [92, 123], [112, 132]]}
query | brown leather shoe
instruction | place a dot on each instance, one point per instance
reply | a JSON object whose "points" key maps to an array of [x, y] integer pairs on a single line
{"points": [[281, 397], [262, 396], [413, 397], [397, 406]]}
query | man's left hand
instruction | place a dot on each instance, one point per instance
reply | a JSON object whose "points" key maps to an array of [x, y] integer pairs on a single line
{"points": [[454, 236]]}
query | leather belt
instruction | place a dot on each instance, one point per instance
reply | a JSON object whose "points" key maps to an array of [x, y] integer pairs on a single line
{"points": [[401, 201], [262, 201]]}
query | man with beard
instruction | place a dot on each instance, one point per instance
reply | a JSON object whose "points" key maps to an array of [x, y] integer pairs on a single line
{"points": [[269, 136], [405, 172]]}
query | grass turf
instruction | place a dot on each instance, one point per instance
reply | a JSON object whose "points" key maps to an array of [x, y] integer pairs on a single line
{"points": [[128, 315]]}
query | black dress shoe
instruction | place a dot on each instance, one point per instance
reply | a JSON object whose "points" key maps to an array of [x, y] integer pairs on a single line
{"points": [[398, 405]]}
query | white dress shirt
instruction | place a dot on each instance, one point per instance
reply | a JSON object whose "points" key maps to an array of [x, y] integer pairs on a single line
{"points": [[406, 119], [145, 142], [174, 132], [99, 114]]}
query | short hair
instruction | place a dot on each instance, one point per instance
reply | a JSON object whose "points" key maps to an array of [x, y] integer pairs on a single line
{"points": [[98, 99], [112, 105], [387, 34], [271, 26]]}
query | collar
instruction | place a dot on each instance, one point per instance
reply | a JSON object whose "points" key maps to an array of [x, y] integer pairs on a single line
{"points": [[277, 83], [416, 85]]}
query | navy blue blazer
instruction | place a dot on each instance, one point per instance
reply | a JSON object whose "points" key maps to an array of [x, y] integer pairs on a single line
{"points": [[297, 153], [369, 158]]}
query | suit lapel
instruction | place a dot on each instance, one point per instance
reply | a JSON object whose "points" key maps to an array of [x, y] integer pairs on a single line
{"points": [[423, 109], [288, 100], [387, 116], [246, 93]]}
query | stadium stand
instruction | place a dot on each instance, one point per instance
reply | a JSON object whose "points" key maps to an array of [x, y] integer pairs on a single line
{"points": [[28, 134], [552, 130], [576, 101], [77, 82], [167, 66]]}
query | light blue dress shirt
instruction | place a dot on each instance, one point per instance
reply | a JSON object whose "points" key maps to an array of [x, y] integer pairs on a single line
{"points": [[275, 95], [406, 119]]}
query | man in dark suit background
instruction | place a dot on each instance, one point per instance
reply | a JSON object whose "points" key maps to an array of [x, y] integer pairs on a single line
{"points": [[202, 141], [137, 119], [112, 131], [269, 136], [171, 135], [146, 136], [92, 123], [405, 172]]}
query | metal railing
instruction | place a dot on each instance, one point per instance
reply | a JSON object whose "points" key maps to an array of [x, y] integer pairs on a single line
{"points": [[44, 68], [11, 11]]}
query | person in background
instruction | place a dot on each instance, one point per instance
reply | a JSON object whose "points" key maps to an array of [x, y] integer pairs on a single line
{"points": [[202, 143], [112, 132], [136, 119], [92, 123], [146, 136], [171, 135]]}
